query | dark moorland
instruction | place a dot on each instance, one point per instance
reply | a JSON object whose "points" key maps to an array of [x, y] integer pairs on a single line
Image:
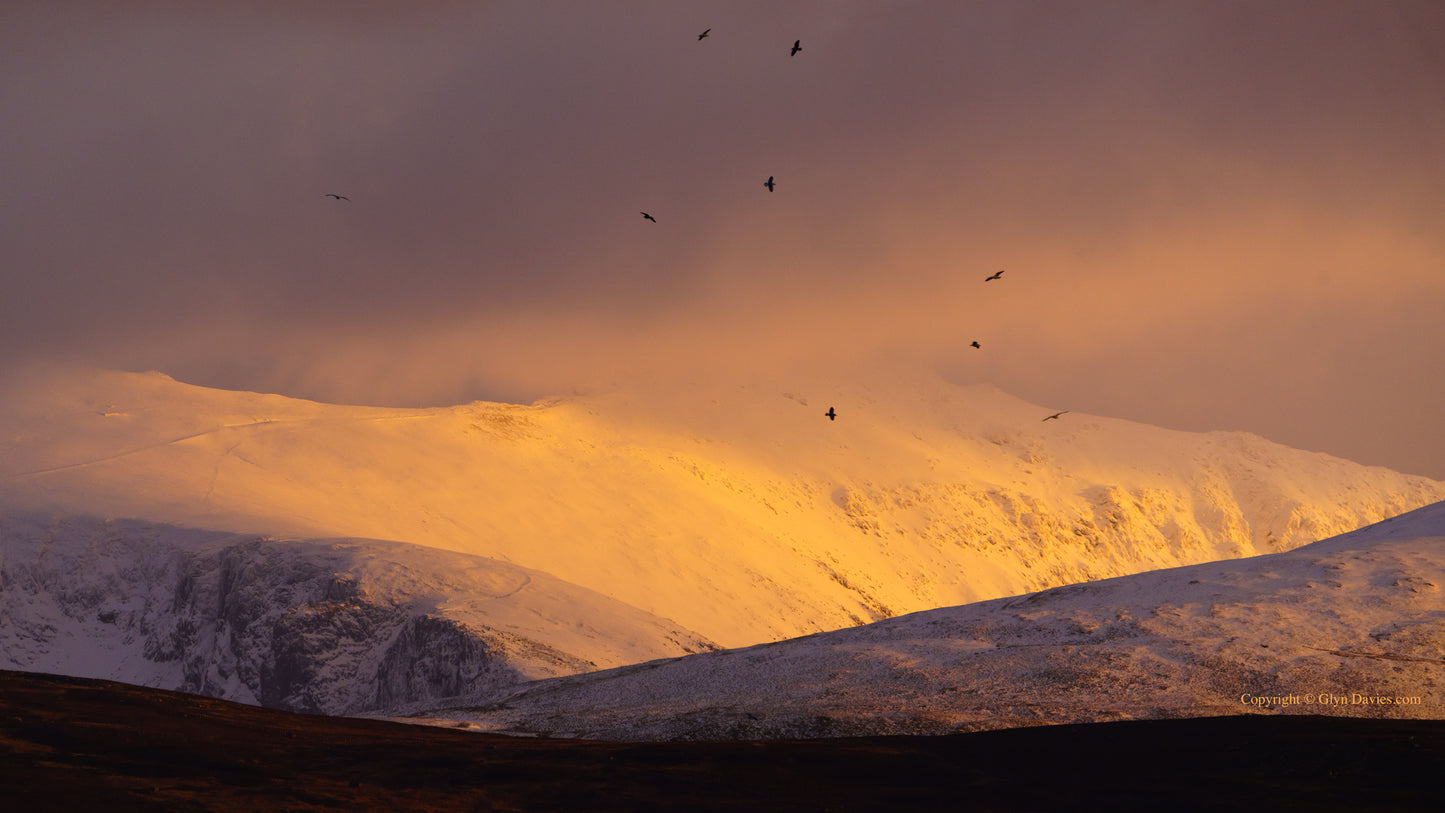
{"points": [[67, 743]]}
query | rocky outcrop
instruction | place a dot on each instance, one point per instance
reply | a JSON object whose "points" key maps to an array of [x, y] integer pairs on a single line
{"points": [[289, 624]]}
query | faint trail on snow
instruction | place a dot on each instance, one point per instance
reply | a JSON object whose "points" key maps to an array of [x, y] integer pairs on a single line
{"points": [[129, 452], [506, 590], [216, 470]]}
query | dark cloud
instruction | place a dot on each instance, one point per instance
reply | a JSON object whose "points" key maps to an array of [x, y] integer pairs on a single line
{"points": [[1148, 173]]}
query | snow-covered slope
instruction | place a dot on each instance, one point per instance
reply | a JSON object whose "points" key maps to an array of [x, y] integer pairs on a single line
{"points": [[1353, 625], [335, 625], [738, 512]]}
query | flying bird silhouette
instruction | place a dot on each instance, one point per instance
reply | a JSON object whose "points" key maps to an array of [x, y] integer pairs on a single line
{"points": [[975, 345], [797, 46], [703, 34], [338, 197], [993, 277], [1055, 416], [769, 183], [831, 414], [649, 217]]}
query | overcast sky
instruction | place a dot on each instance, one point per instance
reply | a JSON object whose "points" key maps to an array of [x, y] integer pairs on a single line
{"points": [[1212, 215]]}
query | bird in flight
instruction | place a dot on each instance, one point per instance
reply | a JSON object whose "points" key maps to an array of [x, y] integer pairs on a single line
{"points": [[797, 46], [649, 217], [1055, 416], [338, 197], [832, 415], [703, 34], [975, 345], [993, 277], [769, 183]]}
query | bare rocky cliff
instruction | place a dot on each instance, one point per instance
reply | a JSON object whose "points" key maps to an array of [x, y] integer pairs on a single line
{"points": [[290, 624]]}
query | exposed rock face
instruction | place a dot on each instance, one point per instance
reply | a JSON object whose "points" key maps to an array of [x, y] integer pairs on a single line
{"points": [[438, 657], [296, 625], [434, 657]]}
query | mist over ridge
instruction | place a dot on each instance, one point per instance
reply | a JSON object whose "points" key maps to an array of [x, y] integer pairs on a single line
{"points": [[1213, 216]]}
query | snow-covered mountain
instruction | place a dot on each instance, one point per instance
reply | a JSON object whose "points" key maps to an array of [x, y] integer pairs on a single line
{"points": [[338, 626], [704, 513], [1353, 625]]}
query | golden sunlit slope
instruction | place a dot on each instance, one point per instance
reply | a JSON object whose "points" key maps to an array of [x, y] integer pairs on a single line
{"points": [[1347, 626], [739, 512]]}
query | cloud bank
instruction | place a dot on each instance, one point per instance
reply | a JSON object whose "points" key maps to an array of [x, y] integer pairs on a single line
{"points": [[1212, 215]]}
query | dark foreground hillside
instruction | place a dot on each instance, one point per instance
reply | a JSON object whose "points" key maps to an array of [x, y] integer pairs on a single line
{"points": [[67, 743]]}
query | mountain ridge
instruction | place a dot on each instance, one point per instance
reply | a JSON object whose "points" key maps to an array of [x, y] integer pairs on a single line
{"points": [[730, 514], [1347, 626]]}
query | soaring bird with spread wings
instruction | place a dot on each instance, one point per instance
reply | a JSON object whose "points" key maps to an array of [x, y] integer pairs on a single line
{"points": [[993, 277], [703, 34], [1055, 416], [647, 216], [338, 197], [797, 46]]}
